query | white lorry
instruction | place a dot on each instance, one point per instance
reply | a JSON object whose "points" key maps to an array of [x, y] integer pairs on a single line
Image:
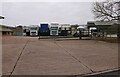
{"points": [[54, 27], [92, 31], [34, 30]]}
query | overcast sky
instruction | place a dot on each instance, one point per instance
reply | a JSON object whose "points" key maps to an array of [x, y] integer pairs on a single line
{"points": [[29, 13]]}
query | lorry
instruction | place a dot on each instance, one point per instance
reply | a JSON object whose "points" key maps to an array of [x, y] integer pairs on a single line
{"points": [[83, 30], [26, 31], [34, 30], [44, 29], [86, 32], [65, 29], [54, 27]]}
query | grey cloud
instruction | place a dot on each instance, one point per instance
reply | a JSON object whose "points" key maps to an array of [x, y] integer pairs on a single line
{"points": [[27, 13]]}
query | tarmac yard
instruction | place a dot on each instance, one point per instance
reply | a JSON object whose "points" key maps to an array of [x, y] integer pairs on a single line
{"points": [[30, 56]]}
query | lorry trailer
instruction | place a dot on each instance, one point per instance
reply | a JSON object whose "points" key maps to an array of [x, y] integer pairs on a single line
{"points": [[44, 29]]}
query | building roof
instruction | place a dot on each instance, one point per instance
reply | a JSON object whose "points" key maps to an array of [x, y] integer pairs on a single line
{"points": [[80, 27], [92, 23], [105, 22], [4, 28]]}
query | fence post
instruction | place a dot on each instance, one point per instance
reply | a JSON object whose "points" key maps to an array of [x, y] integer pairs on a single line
{"points": [[80, 37], [39, 34]]}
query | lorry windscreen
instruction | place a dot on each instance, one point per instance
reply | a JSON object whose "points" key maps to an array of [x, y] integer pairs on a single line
{"points": [[33, 28]]}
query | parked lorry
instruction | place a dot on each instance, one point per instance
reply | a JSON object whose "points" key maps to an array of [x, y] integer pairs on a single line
{"points": [[34, 30], [86, 32], [54, 28], [26, 31], [65, 29], [44, 29]]}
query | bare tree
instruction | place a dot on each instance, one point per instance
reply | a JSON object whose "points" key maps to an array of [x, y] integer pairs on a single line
{"points": [[107, 11]]}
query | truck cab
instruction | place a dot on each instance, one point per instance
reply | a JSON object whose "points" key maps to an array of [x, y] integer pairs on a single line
{"points": [[54, 27], [34, 30]]}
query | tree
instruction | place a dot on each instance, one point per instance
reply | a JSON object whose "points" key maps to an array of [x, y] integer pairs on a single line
{"points": [[107, 11], [1, 17]]}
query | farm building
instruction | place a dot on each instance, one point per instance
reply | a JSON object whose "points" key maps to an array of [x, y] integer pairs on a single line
{"points": [[5, 30]]}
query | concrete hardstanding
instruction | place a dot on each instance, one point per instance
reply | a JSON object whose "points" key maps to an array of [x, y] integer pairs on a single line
{"points": [[52, 57]]}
